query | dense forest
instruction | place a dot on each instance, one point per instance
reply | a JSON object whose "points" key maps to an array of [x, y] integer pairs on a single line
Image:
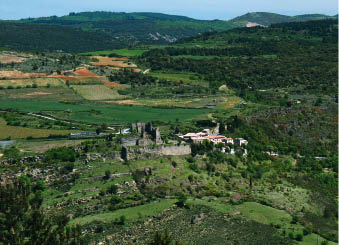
{"points": [[109, 30], [33, 37], [292, 54], [135, 28]]}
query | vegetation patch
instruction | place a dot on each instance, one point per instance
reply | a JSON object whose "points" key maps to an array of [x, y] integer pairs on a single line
{"points": [[14, 132], [96, 92], [29, 83]]}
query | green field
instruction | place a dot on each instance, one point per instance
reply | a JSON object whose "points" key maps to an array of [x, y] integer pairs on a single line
{"points": [[21, 133], [96, 92], [39, 94], [44, 81], [99, 113], [122, 52], [131, 214], [185, 77]]}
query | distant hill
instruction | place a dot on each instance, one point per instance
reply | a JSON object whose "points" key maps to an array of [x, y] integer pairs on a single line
{"points": [[32, 37], [266, 19], [136, 28], [92, 31]]}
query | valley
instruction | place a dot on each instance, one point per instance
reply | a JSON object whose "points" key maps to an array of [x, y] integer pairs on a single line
{"points": [[225, 137]]}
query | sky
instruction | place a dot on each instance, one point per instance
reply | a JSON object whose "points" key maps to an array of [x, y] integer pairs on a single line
{"points": [[199, 9]]}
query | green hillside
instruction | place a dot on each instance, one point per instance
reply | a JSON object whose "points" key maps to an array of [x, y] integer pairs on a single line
{"points": [[30, 37], [267, 19], [136, 28]]}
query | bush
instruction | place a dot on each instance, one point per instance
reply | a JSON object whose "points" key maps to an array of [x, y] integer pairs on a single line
{"points": [[190, 159], [63, 154], [113, 189], [67, 168], [181, 200], [299, 237], [107, 174], [194, 167], [294, 220], [122, 220], [307, 231], [39, 186]]}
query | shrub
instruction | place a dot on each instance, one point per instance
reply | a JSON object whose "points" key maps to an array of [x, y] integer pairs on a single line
{"points": [[63, 154], [194, 167], [307, 231], [67, 168], [190, 159], [113, 189], [122, 220], [181, 200], [107, 174], [299, 237]]}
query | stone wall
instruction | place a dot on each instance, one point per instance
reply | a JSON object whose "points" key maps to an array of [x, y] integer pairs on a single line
{"points": [[129, 141], [176, 150], [159, 151]]}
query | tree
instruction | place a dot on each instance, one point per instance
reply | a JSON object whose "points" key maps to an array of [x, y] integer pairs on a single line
{"points": [[181, 200], [163, 238], [113, 189], [23, 220], [107, 174]]}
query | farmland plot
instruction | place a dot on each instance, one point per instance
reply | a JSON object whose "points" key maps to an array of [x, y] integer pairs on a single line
{"points": [[40, 82], [96, 92], [22, 133]]}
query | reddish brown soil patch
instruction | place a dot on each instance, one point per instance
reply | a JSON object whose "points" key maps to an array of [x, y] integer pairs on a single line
{"points": [[119, 58], [85, 73], [107, 61], [113, 84]]}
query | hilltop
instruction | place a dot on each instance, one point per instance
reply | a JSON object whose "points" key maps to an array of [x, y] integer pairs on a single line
{"points": [[110, 30], [136, 28], [266, 19]]}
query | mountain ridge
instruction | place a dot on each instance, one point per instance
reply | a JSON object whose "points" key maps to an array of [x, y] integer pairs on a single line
{"points": [[267, 18]]}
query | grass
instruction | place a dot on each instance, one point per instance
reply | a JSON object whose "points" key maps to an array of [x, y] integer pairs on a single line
{"points": [[185, 77], [122, 52], [44, 81], [312, 239], [22, 133], [264, 214], [96, 92], [99, 113], [36, 94], [131, 214], [43, 145]]}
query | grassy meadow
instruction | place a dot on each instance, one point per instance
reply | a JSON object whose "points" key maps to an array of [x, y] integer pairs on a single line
{"points": [[14, 132], [96, 92], [100, 113]]}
